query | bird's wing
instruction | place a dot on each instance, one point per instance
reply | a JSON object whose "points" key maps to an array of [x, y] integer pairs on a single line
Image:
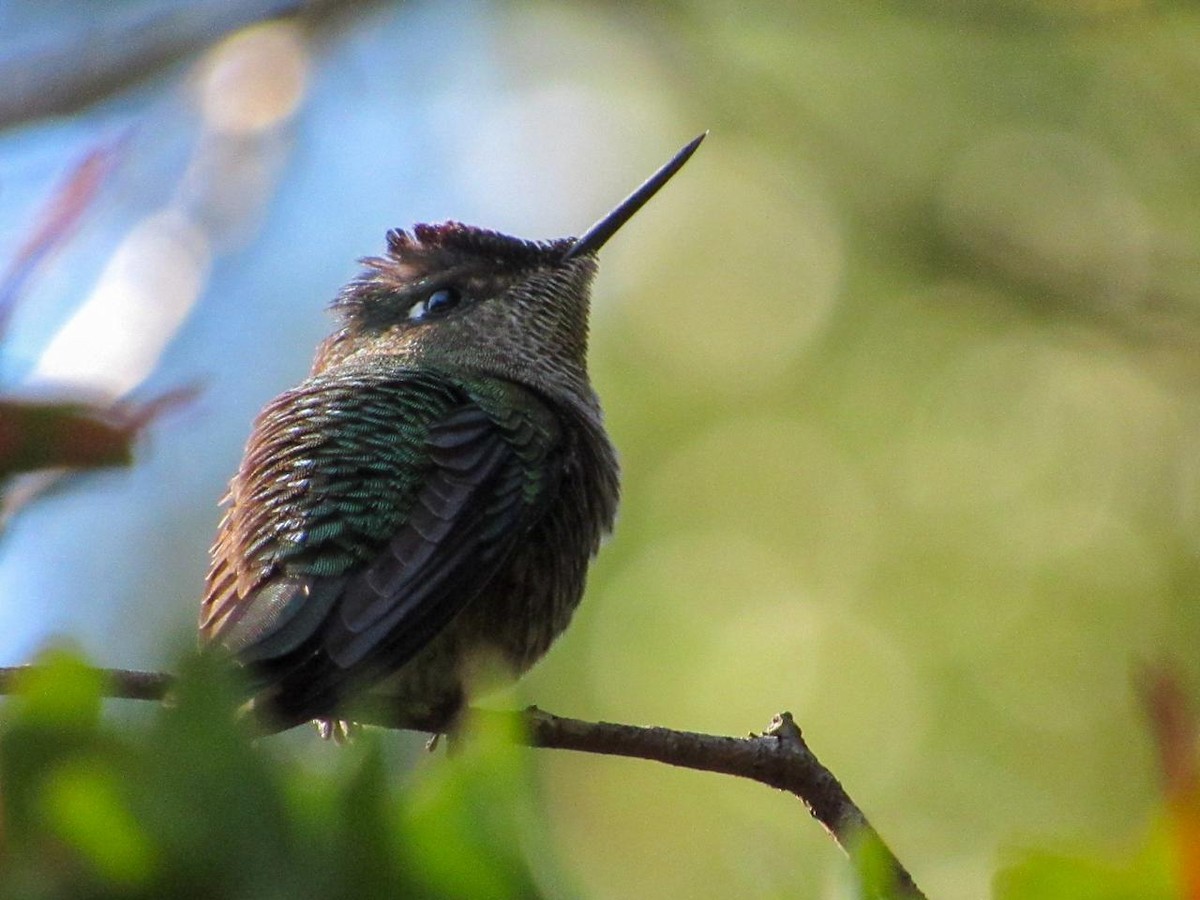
{"points": [[365, 517]]}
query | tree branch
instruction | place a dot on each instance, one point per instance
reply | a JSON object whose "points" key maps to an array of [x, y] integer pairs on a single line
{"points": [[779, 758]]}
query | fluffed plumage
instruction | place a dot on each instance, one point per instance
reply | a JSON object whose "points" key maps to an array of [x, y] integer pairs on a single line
{"points": [[431, 495], [432, 492]]}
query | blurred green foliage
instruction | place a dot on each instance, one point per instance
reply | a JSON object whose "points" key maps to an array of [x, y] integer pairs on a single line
{"points": [[1149, 873], [186, 805]]}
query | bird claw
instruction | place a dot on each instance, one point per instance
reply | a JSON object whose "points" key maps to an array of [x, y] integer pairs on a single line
{"points": [[340, 731]]}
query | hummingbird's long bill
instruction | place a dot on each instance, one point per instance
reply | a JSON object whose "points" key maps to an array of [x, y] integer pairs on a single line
{"points": [[593, 239]]}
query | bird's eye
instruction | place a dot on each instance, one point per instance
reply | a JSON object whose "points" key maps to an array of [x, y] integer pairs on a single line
{"points": [[436, 303]]}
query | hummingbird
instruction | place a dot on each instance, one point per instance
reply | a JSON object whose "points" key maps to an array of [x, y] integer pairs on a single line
{"points": [[432, 494]]}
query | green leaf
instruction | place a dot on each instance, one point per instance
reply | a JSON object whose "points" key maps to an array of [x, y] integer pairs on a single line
{"points": [[85, 807], [471, 816], [872, 865], [53, 717], [371, 856], [213, 800], [1147, 873], [187, 804], [59, 690]]}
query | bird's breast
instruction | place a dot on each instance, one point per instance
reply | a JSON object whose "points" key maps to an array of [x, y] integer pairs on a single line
{"points": [[530, 602]]}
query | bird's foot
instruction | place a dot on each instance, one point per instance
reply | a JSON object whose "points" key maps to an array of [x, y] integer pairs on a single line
{"points": [[340, 731]]}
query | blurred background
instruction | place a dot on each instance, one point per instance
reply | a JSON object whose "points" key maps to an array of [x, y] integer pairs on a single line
{"points": [[903, 370]]}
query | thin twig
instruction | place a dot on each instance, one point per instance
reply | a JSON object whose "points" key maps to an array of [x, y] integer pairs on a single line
{"points": [[122, 684], [779, 758]]}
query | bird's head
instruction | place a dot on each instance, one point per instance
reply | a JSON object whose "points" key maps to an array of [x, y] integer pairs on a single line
{"points": [[478, 301]]}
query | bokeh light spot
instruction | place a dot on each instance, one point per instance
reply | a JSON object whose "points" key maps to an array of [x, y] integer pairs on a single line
{"points": [[254, 79], [716, 630], [744, 282], [1041, 418], [1043, 675], [640, 637], [113, 341], [779, 481]]}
